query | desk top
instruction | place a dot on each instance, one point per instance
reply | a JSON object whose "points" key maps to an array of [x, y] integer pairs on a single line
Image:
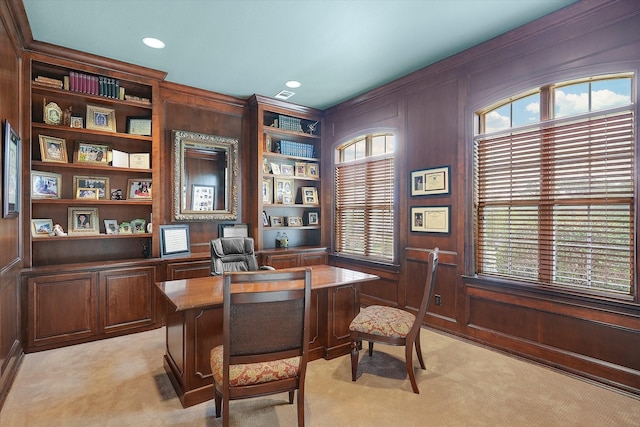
{"points": [[207, 291]]}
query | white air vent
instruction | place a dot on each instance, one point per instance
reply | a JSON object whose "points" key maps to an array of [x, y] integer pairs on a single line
{"points": [[284, 94]]}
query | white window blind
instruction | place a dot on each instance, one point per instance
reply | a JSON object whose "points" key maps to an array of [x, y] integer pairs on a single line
{"points": [[555, 203]]}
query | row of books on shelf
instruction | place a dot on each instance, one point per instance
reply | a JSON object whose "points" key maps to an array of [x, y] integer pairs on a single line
{"points": [[93, 85], [289, 123], [292, 148]]}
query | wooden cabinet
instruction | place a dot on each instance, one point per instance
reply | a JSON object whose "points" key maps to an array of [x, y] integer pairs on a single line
{"points": [[286, 142], [78, 133], [295, 257]]}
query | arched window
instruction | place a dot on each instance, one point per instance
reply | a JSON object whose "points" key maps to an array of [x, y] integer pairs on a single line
{"points": [[364, 198], [555, 187]]}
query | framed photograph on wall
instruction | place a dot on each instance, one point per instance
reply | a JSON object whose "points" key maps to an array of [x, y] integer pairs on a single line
{"points": [[53, 149], [427, 182], [101, 118], [46, 185], [11, 150], [83, 221], [430, 219]]}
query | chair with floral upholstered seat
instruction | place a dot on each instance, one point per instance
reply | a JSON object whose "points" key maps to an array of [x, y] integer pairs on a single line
{"points": [[393, 326], [265, 337]]}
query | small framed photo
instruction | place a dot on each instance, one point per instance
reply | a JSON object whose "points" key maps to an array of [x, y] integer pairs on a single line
{"points": [[265, 167], [203, 197], [41, 227], [139, 126], [430, 181], [294, 221], [311, 218], [283, 190], [313, 170], [76, 122], [11, 176], [174, 240], [101, 118], [139, 189], [309, 195], [124, 228], [87, 152], [52, 113], [276, 221], [87, 193], [286, 169], [138, 226], [265, 219], [275, 168], [267, 142], [83, 221], [53, 149], [111, 226], [99, 183], [301, 169], [46, 185], [430, 219], [267, 190]]}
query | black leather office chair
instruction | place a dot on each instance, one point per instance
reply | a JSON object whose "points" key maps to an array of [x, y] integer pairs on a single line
{"points": [[233, 254]]}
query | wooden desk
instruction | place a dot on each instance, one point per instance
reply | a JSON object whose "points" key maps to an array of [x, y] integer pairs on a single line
{"points": [[194, 327]]}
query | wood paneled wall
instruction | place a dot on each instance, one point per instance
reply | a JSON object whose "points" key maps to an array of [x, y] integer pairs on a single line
{"points": [[10, 258], [431, 112]]}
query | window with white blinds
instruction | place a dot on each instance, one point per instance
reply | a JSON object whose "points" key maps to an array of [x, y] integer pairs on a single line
{"points": [[364, 198], [555, 202]]}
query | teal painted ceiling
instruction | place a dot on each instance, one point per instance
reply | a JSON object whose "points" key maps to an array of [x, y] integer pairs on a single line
{"points": [[337, 49]]}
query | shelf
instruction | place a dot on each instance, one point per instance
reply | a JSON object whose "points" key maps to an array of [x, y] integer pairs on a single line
{"points": [[91, 202], [300, 178], [284, 156], [93, 237], [85, 131], [283, 132], [284, 227], [290, 206], [79, 166], [35, 88]]}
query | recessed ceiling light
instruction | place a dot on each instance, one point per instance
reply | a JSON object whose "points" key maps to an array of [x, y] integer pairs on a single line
{"points": [[153, 42], [293, 84]]}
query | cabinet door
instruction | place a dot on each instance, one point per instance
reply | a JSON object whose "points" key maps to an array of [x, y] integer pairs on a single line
{"points": [[61, 308], [314, 258], [188, 270], [127, 298], [282, 260]]}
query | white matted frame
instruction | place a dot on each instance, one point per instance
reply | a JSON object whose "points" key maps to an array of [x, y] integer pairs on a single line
{"points": [[432, 181], [174, 240], [431, 219]]}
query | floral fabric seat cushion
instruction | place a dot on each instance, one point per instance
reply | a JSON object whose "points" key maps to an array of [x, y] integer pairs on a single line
{"points": [[383, 321], [254, 373]]}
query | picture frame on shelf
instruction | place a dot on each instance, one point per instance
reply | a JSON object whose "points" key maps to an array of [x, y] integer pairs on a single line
{"points": [[11, 176], [265, 167], [265, 219], [311, 218], [51, 113], [139, 160], [267, 191], [41, 227], [275, 168], [46, 185], [138, 226], [426, 182], [139, 126], [83, 221], [267, 142], [203, 197], [301, 169], [276, 221], [430, 219], [174, 240], [111, 226], [76, 122], [87, 193], [92, 153], [286, 169], [124, 228], [313, 170], [101, 183], [294, 221], [309, 195], [53, 149], [283, 190], [139, 189], [101, 118]]}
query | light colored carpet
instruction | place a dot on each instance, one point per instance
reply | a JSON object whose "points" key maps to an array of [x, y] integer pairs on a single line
{"points": [[121, 382]]}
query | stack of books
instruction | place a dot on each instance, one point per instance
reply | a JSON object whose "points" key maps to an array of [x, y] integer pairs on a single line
{"points": [[289, 123], [48, 82]]}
